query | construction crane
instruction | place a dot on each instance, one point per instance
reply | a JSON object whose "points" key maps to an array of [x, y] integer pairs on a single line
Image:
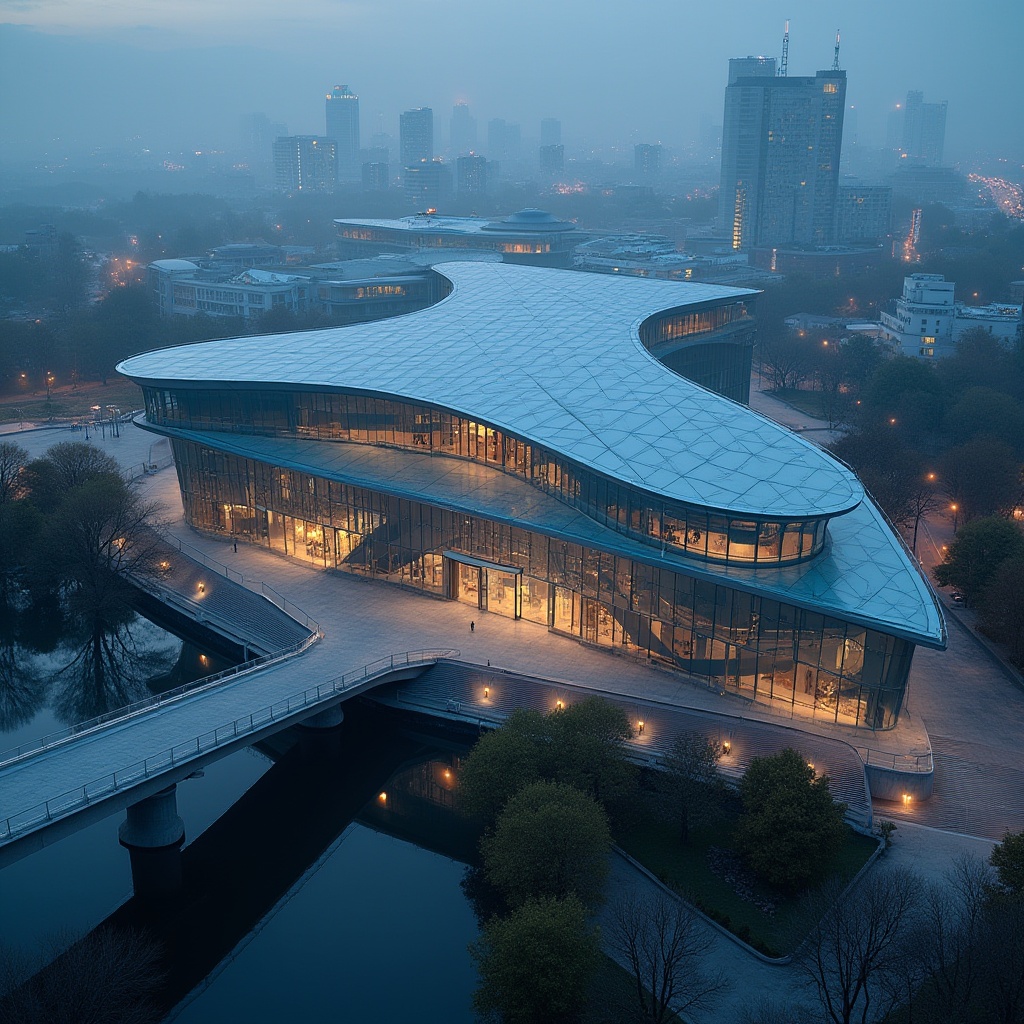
{"points": [[835, 61], [784, 63]]}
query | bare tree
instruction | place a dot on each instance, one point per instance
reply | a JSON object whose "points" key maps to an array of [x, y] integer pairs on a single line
{"points": [[665, 947], [785, 359], [13, 459], [856, 954], [951, 925], [110, 976]]}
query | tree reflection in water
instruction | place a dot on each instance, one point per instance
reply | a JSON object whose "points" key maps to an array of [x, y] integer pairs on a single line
{"points": [[106, 671], [22, 689]]}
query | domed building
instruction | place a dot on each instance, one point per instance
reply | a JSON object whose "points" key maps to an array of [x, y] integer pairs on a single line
{"points": [[530, 237]]}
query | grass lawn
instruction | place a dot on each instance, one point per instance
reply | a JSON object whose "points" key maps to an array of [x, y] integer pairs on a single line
{"points": [[808, 402], [71, 403], [687, 870]]}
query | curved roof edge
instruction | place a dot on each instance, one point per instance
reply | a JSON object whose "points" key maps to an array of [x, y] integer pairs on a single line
{"points": [[553, 357]]}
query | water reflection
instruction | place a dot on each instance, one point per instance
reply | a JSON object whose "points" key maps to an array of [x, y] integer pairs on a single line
{"points": [[58, 669], [311, 874]]}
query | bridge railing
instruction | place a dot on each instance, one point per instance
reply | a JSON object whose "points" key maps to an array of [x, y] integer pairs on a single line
{"points": [[289, 608], [79, 729], [106, 785]]}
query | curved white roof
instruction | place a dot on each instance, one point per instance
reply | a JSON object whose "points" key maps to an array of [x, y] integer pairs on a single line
{"points": [[554, 357], [175, 265]]}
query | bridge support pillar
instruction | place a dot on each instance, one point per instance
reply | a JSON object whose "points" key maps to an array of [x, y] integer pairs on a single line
{"points": [[320, 735], [330, 718], [153, 834]]}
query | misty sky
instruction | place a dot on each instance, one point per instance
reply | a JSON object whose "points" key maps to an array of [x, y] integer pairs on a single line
{"points": [[76, 72]]}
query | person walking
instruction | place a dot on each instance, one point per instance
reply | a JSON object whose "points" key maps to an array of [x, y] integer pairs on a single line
{"points": [[472, 626]]}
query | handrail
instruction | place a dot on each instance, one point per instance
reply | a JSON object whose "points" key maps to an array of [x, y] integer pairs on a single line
{"points": [[203, 614], [66, 803], [885, 759], [55, 739], [289, 608]]}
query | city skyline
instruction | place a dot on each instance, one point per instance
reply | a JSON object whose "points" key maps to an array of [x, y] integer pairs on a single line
{"points": [[190, 87]]}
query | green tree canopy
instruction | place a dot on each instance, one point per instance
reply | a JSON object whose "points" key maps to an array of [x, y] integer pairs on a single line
{"points": [[550, 840], [976, 554], [981, 411], [790, 826], [536, 964], [981, 476], [690, 786], [502, 762], [586, 750], [1008, 860], [1002, 607], [581, 745]]}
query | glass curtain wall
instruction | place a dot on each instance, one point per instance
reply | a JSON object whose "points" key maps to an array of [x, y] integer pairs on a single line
{"points": [[800, 661], [365, 419]]}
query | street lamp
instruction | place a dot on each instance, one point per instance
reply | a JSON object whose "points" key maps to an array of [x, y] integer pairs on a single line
{"points": [[49, 383], [954, 508]]}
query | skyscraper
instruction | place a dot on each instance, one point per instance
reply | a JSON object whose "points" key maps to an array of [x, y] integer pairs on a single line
{"points": [[647, 159], [550, 131], [416, 136], [471, 175], [305, 163], [781, 141], [503, 140], [463, 139], [552, 160], [924, 131], [342, 115]]}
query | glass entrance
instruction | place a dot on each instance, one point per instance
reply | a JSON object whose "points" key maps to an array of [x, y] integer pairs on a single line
{"points": [[489, 589], [467, 589]]}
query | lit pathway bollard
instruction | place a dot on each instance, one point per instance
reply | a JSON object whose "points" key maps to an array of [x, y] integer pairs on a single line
{"points": [[153, 834]]}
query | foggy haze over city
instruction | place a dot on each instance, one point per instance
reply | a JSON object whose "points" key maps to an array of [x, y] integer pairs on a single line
{"points": [[80, 76]]}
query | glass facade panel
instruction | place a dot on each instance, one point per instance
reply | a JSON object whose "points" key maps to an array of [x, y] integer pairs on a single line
{"points": [[363, 419], [797, 660]]}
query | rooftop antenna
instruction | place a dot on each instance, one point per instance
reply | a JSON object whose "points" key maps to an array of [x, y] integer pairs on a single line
{"points": [[784, 63], [835, 61]]}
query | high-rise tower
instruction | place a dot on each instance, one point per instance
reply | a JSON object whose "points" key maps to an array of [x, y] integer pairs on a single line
{"points": [[342, 113], [781, 141], [416, 136], [924, 131], [463, 137]]}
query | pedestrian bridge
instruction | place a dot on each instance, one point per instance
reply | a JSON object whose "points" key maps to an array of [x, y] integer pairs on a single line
{"points": [[64, 782]]}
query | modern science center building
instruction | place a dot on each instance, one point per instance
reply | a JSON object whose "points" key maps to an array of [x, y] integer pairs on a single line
{"points": [[528, 446]]}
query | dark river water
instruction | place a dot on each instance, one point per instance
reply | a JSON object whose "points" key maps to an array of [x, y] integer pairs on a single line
{"points": [[321, 874]]}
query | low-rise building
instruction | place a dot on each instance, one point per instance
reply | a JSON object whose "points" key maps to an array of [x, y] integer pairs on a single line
{"points": [[530, 237], [926, 321], [353, 291]]}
